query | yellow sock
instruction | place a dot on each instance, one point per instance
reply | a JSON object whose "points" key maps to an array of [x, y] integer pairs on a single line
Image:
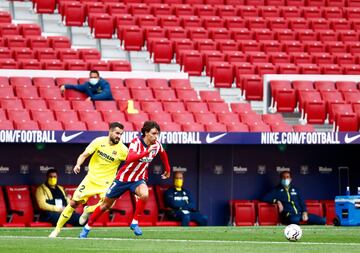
{"points": [[91, 209], [64, 217]]}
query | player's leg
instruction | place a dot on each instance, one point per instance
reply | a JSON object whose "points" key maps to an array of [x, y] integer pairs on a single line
{"points": [[142, 193], [88, 210], [116, 189], [80, 196], [294, 219], [64, 217], [315, 219], [199, 218], [105, 206], [93, 188]]}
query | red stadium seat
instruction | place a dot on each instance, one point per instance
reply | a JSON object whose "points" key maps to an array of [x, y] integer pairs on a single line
{"points": [[113, 116], [45, 6], [74, 126], [165, 95], [144, 94], [58, 105], [50, 93], [50, 125], [267, 214], [174, 106], [151, 107], [183, 117], [59, 42], [74, 14], [105, 105], [329, 207], [3, 210], [136, 83], [20, 206], [346, 122], [155, 83], [303, 128], [244, 214], [192, 127], [71, 94], [118, 65], [82, 105]]}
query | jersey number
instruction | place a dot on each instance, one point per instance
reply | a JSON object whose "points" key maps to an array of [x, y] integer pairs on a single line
{"points": [[82, 188]]}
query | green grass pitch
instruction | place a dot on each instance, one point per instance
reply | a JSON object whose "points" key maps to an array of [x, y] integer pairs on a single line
{"points": [[327, 239]]}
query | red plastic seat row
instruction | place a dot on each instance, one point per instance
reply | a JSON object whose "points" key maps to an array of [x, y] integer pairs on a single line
{"points": [[35, 41], [70, 64]]}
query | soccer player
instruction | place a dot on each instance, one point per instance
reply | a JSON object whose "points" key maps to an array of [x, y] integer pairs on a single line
{"points": [[107, 154], [133, 174]]}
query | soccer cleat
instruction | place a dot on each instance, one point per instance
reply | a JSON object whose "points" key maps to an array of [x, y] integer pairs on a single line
{"points": [[84, 233], [84, 216], [136, 229], [54, 233]]}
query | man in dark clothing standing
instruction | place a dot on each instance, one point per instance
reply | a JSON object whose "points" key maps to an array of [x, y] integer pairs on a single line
{"points": [[181, 205], [96, 88], [291, 205]]}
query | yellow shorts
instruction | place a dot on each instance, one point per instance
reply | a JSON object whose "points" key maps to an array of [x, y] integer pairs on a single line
{"points": [[87, 188]]}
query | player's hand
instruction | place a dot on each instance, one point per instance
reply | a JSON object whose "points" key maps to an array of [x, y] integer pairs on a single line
{"points": [[305, 216], [152, 148], [62, 88], [280, 206], [165, 175], [77, 169]]}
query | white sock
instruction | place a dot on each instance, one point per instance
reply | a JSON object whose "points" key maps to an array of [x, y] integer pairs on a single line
{"points": [[87, 227], [134, 222]]}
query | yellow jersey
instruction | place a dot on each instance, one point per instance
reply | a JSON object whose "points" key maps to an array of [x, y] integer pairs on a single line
{"points": [[105, 159]]}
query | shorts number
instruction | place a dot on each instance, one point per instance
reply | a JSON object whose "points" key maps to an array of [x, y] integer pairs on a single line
{"points": [[111, 187], [82, 188]]}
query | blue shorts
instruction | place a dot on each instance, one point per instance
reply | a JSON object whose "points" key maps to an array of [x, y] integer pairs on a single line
{"points": [[118, 188]]}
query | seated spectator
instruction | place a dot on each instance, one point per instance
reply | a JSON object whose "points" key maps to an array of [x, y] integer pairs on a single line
{"points": [[181, 205], [96, 88], [291, 205], [52, 200]]}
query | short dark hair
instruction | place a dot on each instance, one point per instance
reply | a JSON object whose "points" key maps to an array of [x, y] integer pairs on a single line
{"points": [[51, 171], [113, 125], [148, 125], [285, 171], [94, 72]]}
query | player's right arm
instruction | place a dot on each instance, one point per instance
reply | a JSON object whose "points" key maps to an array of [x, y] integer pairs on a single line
{"points": [[90, 149], [133, 155], [80, 160]]}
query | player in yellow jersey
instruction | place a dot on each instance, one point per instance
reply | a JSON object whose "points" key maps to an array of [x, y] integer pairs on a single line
{"points": [[107, 154]]}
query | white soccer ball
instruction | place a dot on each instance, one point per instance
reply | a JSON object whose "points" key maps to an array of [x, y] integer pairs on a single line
{"points": [[293, 232]]}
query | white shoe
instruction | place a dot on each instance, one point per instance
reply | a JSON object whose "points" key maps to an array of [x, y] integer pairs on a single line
{"points": [[54, 233], [84, 217]]}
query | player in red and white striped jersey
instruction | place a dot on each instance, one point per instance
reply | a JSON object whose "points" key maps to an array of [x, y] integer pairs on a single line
{"points": [[133, 175]]}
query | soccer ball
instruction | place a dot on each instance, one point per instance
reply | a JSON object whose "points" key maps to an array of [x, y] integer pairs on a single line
{"points": [[293, 232]]}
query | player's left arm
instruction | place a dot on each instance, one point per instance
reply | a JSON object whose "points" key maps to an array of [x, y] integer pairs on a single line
{"points": [[165, 161], [191, 204]]}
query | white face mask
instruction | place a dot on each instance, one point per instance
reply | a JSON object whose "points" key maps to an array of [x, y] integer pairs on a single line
{"points": [[286, 182], [93, 81]]}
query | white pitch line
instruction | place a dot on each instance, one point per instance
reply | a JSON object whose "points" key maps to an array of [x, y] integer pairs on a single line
{"points": [[181, 240]]}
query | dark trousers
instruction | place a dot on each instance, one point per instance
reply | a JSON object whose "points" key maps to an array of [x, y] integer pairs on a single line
{"points": [[53, 217], [185, 219], [297, 218]]}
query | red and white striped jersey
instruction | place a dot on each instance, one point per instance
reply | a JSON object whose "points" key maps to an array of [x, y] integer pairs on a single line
{"points": [[137, 170]]}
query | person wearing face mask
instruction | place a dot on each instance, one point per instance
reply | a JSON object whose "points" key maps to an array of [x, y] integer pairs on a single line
{"points": [[96, 88], [181, 205], [51, 200], [291, 205]]}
